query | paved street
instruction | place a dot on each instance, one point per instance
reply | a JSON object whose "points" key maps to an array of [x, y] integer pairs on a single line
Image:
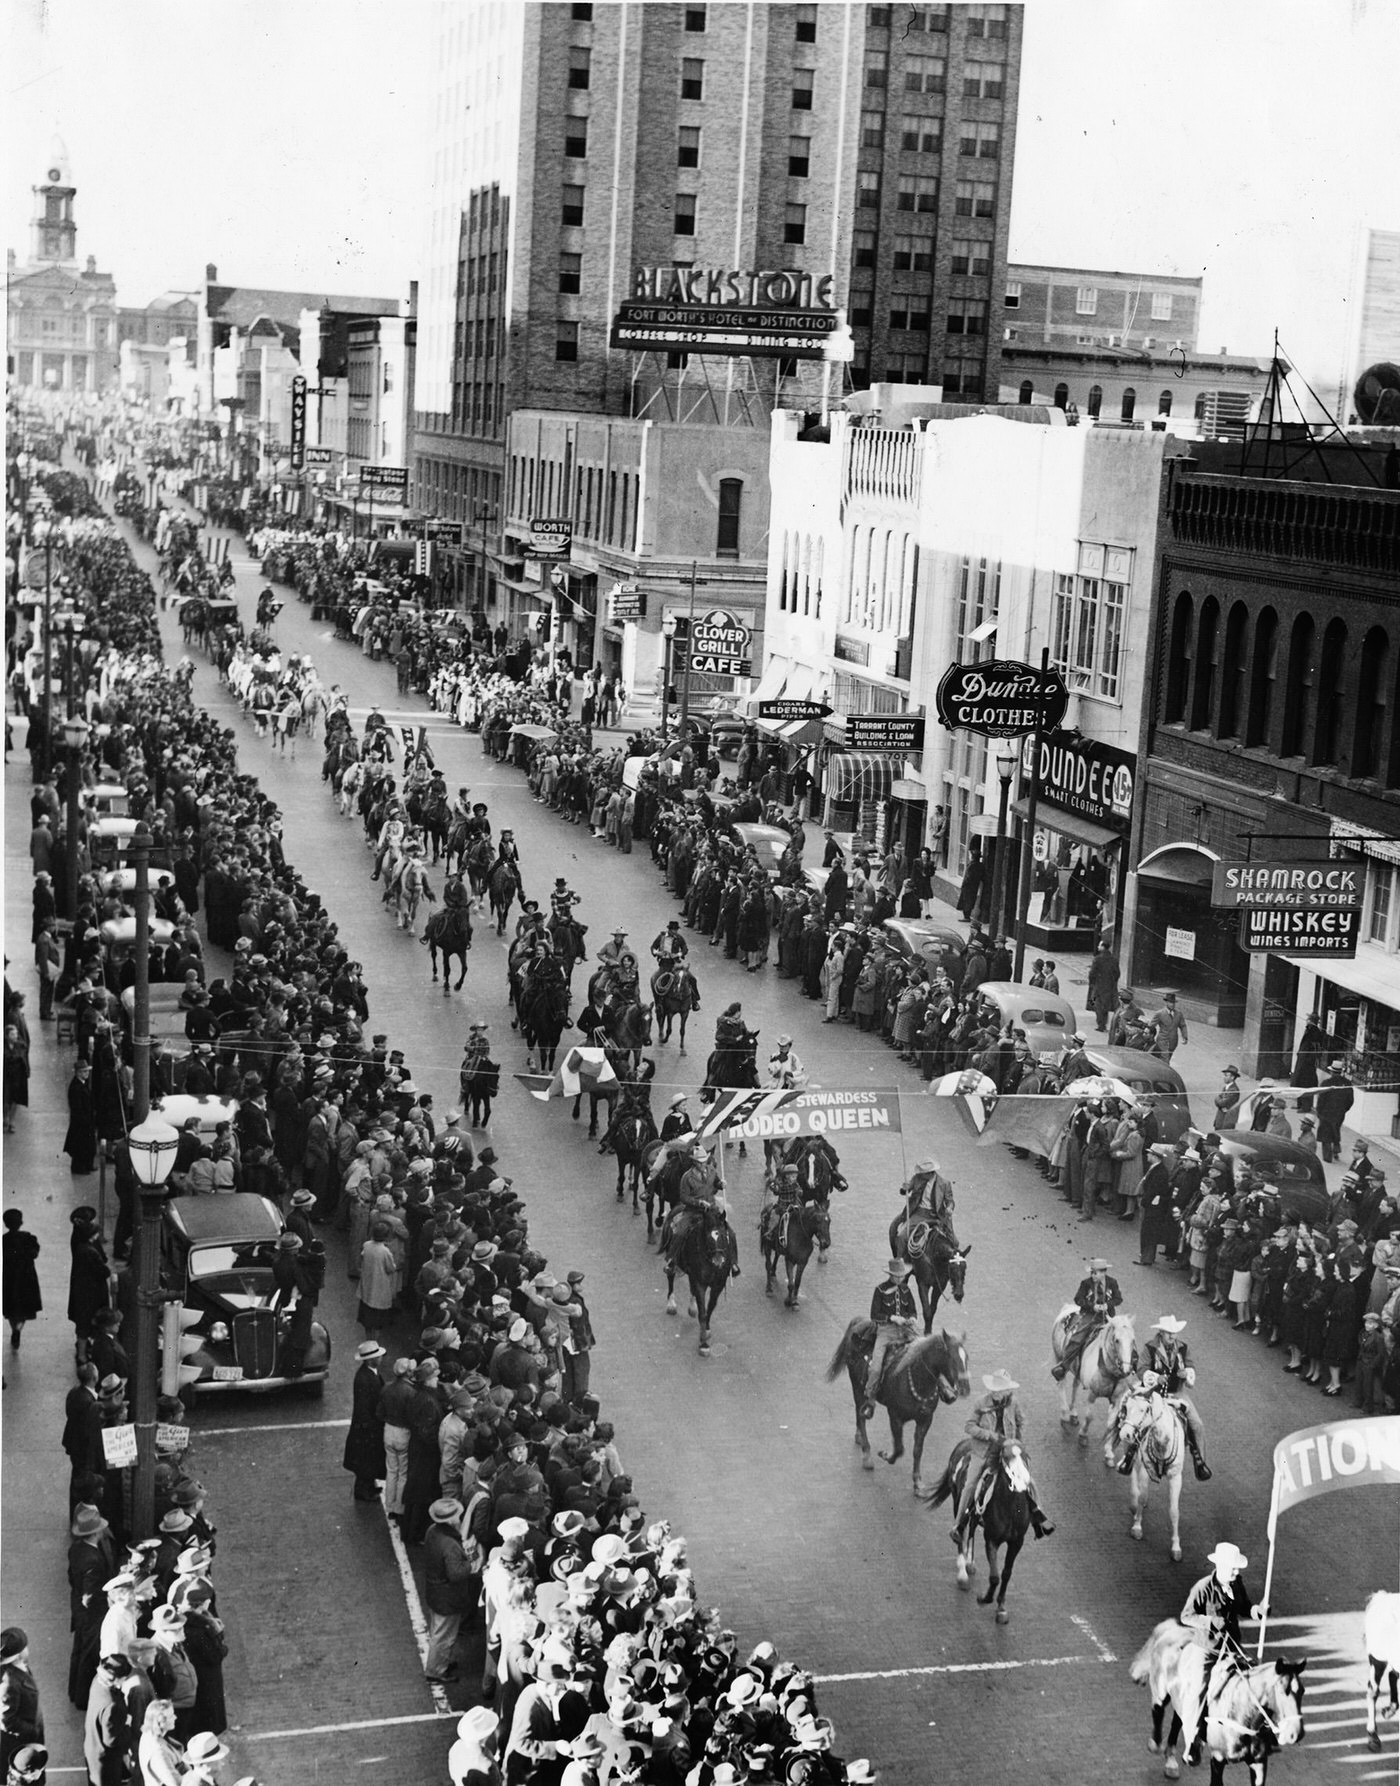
{"points": [[749, 1453]]}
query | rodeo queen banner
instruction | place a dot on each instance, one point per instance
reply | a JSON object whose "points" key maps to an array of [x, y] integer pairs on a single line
{"points": [[1318, 1460], [780, 1115]]}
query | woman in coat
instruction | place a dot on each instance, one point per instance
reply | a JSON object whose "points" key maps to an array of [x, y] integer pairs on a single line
{"points": [[866, 992], [20, 1249], [379, 1280], [88, 1283], [80, 1143], [1126, 1151], [1341, 1334], [1317, 1305], [1158, 1201], [16, 1074], [753, 928]]}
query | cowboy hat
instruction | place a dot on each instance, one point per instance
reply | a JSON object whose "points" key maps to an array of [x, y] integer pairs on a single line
{"points": [[477, 1724], [1000, 1383], [897, 1268], [1228, 1556], [1168, 1324], [1099, 1265]]}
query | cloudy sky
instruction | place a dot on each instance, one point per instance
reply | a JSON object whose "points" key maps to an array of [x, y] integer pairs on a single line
{"points": [[1246, 142]]}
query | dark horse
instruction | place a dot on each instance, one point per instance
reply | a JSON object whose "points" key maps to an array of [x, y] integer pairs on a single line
{"points": [[661, 1182], [734, 1069], [502, 885], [926, 1373], [631, 1139], [939, 1264], [675, 995], [448, 932], [807, 1227], [708, 1254], [1005, 1517], [818, 1173], [544, 1009]]}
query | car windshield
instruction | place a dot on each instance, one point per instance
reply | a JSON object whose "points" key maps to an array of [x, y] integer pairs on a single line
{"points": [[215, 1261]]}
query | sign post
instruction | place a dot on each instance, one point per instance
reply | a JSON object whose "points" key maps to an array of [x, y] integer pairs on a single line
{"points": [[1049, 699]]}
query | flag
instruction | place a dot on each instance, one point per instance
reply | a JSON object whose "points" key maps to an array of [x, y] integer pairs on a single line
{"points": [[582, 1069], [732, 1107], [1031, 1122], [1316, 1460]]}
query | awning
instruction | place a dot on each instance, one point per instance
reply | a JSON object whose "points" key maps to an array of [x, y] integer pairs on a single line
{"points": [[771, 684], [912, 792], [536, 734], [1179, 862], [859, 775], [1069, 824], [1371, 975]]}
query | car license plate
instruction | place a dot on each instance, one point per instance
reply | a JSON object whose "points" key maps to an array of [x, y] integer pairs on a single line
{"points": [[228, 1373]]}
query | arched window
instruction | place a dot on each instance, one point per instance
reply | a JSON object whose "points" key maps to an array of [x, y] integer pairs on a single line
{"points": [[783, 577], [806, 576], [852, 601], [1203, 689], [1027, 391], [1179, 660], [1298, 685], [821, 552], [1129, 404], [1061, 395], [1234, 666], [1164, 403], [1200, 408], [1374, 683], [1095, 399], [1327, 727], [1263, 670]]}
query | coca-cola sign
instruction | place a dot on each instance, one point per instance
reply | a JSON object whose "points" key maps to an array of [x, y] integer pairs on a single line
{"points": [[1001, 699]]}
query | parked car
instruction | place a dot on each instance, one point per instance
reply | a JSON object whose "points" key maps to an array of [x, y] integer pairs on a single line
{"points": [[1047, 1019], [179, 1107], [920, 939], [109, 841], [767, 842], [727, 734], [1298, 1174], [217, 1255], [1161, 1088]]}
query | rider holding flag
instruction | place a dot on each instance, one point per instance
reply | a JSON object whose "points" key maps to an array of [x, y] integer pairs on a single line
{"points": [[995, 1417], [1212, 1614], [1167, 1369]]}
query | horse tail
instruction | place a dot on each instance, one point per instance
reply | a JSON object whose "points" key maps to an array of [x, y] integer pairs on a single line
{"points": [[1140, 1668], [841, 1357], [943, 1488]]}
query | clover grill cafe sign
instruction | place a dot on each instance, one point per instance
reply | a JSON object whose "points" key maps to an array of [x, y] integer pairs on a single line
{"points": [[768, 314], [720, 644], [1001, 699]]}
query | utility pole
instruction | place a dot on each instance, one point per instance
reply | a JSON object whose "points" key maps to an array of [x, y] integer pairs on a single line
{"points": [[689, 653]]}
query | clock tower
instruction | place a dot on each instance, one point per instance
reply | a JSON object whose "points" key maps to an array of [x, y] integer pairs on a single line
{"points": [[55, 235]]}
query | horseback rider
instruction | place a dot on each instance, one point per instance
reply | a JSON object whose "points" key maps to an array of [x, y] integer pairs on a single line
{"points": [[785, 1070], [893, 1312], [732, 1034], [635, 1100], [1212, 1614], [670, 948], [677, 1120], [612, 952], [995, 1417], [928, 1199], [782, 1194], [392, 834], [1097, 1299], [1167, 1369], [562, 899], [454, 893], [695, 1197]]}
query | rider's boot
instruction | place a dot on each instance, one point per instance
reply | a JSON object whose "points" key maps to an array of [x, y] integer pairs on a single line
{"points": [[1125, 1463], [1040, 1525], [1203, 1469], [1059, 1372], [872, 1391]]}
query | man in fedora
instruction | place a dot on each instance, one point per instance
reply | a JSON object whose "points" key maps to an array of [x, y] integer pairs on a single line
{"points": [[893, 1312], [451, 1589], [996, 1416], [1212, 1614], [92, 1561], [364, 1442], [1333, 1100]]}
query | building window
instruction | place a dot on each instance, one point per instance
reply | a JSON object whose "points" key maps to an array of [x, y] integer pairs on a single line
{"points": [[1095, 403], [685, 214], [1013, 294], [1027, 391], [983, 80], [799, 156], [677, 359], [1061, 395], [872, 130], [802, 79], [1382, 891], [860, 318], [1087, 614], [572, 212], [688, 146], [863, 245], [1086, 300], [576, 138], [581, 10], [878, 18], [986, 21], [1263, 672], [695, 18], [868, 189], [731, 492], [917, 193], [1161, 306], [923, 135], [909, 311], [913, 254], [925, 18], [570, 272], [1375, 686], [877, 68], [795, 224], [806, 24], [926, 74], [1129, 404], [905, 369], [982, 140], [973, 198], [580, 59], [971, 257], [1164, 403], [970, 318], [566, 340], [692, 77]]}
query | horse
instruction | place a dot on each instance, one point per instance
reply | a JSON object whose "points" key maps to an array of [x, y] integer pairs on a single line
{"points": [[1102, 1368], [675, 995], [1253, 1712], [567, 935], [732, 1069], [476, 856], [929, 1372], [938, 1264], [708, 1254], [407, 888], [817, 1173], [808, 1226], [633, 1136], [1382, 1658], [449, 931], [661, 1182], [544, 1010], [1005, 1516], [502, 885], [629, 1030], [1150, 1423]]}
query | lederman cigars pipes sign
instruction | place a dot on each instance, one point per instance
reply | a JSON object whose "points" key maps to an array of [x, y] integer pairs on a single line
{"points": [[768, 313]]}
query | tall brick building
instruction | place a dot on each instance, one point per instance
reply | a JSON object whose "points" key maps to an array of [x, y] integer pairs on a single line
{"points": [[577, 143]]}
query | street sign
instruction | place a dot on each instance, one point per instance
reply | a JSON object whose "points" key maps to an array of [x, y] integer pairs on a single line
{"points": [[719, 644], [446, 533], [549, 538], [789, 710], [1289, 886], [384, 477], [1294, 932], [320, 456], [627, 601], [1000, 699], [900, 734]]}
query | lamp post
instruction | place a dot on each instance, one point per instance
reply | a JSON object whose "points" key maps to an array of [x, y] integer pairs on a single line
{"points": [[75, 735], [46, 699], [1006, 767], [153, 1145], [24, 465], [483, 516]]}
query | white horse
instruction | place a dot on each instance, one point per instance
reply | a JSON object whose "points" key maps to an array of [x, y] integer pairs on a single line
{"points": [[1149, 1422], [406, 889], [1382, 1658], [1103, 1367], [1252, 1712]]}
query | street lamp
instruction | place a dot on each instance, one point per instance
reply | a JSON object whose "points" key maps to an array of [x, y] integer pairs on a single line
{"points": [[1005, 756], [70, 623], [75, 736], [45, 539], [153, 1145]]}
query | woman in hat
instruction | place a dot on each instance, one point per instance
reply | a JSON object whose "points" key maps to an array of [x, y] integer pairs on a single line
{"points": [[21, 1298]]}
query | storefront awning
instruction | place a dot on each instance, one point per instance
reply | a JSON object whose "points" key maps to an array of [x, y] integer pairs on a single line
{"points": [[859, 775], [536, 734], [772, 682], [1371, 975], [1069, 824], [1179, 862], [912, 792]]}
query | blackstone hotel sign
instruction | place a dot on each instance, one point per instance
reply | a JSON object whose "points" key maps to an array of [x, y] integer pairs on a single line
{"points": [[770, 313]]}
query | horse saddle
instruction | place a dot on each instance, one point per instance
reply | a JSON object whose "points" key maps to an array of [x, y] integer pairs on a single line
{"points": [[774, 1225]]}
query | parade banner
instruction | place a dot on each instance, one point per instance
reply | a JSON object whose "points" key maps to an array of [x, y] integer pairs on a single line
{"points": [[1032, 1122], [1342, 1454], [781, 1115]]}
